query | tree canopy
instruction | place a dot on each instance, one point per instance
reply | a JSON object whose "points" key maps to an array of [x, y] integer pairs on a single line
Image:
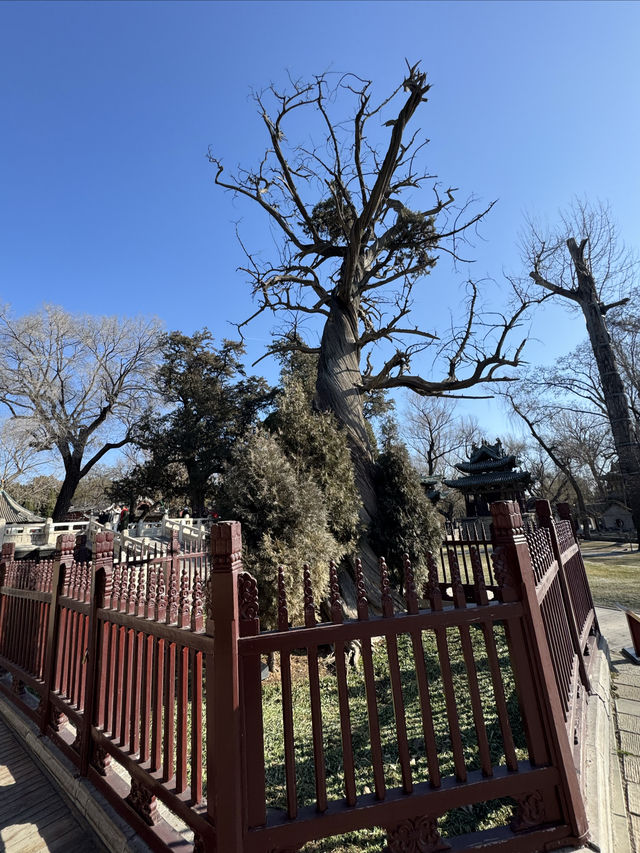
{"points": [[75, 385]]}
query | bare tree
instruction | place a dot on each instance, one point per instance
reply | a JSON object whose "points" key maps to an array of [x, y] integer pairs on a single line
{"points": [[545, 423], [585, 263], [436, 434], [352, 251], [75, 385], [17, 456]]}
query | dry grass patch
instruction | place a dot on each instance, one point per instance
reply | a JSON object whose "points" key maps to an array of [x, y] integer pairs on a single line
{"points": [[614, 574]]}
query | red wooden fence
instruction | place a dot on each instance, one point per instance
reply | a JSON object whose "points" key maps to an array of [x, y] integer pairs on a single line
{"points": [[115, 664]]}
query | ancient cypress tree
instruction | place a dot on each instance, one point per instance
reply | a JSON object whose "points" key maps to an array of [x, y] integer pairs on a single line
{"points": [[357, 236]]}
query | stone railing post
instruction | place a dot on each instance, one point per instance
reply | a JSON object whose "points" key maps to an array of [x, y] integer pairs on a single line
{"points": [[564, 511], [224, 755]]}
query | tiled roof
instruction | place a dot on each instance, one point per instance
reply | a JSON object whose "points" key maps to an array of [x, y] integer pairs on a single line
{"points": [[487, 464], [13, 513], [495, 478]]}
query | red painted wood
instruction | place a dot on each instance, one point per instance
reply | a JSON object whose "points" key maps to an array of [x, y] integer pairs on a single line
{"points": [[157, 705], [169, 709], [196, 726], [182, 719]]}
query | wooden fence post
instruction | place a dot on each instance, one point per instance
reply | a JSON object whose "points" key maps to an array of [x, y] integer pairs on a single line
{"points": [[8, 552], [514, 574], [251, 698], [564, 511], [100, 587], [545, 519], [224, 754], [61, 565]]}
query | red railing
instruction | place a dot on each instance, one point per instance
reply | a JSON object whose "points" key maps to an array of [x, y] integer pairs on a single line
{"points": [[467, 696]]}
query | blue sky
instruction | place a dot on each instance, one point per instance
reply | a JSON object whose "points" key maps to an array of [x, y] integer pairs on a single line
{"points": [[107, 202]]}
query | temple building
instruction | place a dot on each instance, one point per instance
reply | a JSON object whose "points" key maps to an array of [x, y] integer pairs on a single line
{"points": [[490, 476]]}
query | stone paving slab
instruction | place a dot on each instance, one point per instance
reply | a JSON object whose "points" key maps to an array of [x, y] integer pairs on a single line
{"points": [[627, 706], [629, 723], [626, 691], [34, 818], [633, 797], [630, 742]]}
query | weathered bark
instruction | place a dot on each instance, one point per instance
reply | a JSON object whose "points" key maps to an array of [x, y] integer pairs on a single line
{"points": [[615, 397], [72, 477], [339, 390]]}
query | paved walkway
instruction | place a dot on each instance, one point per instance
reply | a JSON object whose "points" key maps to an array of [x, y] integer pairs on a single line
{"points": [[626, 695], [33, 815]]}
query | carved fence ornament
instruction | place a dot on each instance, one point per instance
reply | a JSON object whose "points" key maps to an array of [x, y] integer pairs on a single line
{"points": [[385, 589], [309, 606], [501, 569], [418, 835], [410, 592], [361, 591], [528, 812], [507, 519], [248, 596], [197, 603], [283, 610], [334, 594], [143, 802]]}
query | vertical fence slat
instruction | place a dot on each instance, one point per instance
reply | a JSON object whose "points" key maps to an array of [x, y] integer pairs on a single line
{"points": [[65, 546], [391, 641], [196, 727], [182, 721], [370, 690], [287, 704], [314, 694], [343, 692]]}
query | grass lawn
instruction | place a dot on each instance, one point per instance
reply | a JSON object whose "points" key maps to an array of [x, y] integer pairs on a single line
{"points": [[614, 574], [456, 822]]}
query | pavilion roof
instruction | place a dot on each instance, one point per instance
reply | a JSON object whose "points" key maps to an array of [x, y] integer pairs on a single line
{"points": [[13, 513], [494, 478]]}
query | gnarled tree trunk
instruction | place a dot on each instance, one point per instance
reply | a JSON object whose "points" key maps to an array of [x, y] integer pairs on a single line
{"points": [[339, 390], [615, 397]]}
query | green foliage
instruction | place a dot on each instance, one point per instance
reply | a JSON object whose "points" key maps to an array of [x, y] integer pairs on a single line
{"points": [[318, 448], [213, 402], [284, 521], [333, 217], [407, 522], [38, 494]]}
